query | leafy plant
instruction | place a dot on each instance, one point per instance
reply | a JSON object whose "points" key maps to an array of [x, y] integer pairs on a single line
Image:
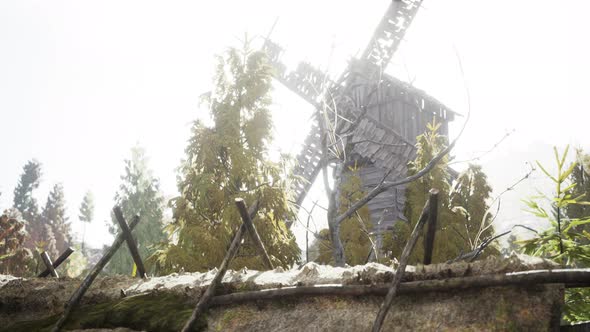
{"points": [[15, 259], [462, 213], [139, 193], [226, 160], [565, 242], [354, 231]]}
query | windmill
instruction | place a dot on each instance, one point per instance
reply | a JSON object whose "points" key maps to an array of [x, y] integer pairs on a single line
{"points": [[373, 118]]}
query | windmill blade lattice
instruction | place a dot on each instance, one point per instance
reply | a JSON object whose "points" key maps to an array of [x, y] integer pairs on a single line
{"points": [[391, 31]]}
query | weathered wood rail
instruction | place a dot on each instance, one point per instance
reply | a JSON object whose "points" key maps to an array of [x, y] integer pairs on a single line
{"points": [[87, 282], [568, 277]]}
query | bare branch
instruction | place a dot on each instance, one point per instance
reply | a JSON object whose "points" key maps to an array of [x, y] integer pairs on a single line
{"points": [[384, 186], [472, 255], [484, 153], [525, 227], [366, 231], [483, 227]]}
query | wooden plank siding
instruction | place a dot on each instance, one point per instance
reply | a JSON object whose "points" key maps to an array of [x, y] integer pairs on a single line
{"points": [[385, 139]]}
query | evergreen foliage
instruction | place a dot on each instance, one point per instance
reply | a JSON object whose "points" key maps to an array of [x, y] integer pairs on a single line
{"points": [[567, 241], [354, 231], [54, 217], [26, 204], [86, 214], [225, 161], [513, 246], [468, 199], [139, 193], [461, 208], [581, 177], [23, 193]]}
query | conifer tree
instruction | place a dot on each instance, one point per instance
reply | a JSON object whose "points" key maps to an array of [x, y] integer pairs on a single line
{"points": [[23, 193], [513, 246], [460, 211], [354, 231], [86, 214], [27, 205], [139, 193], [54, 217], [225, 161], [469, 198], [581, 177]]}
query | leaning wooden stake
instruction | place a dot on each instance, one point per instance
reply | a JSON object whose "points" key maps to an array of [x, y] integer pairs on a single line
{"points": [[253, 233], [210, 292], [399, 273], [57, 262], [431, 230], [130, 242], [77, 296], [49, 264]]}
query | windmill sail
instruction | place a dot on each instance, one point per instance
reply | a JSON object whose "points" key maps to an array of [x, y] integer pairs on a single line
{"points": [[310, 84], [391, 31], [382, 141]]}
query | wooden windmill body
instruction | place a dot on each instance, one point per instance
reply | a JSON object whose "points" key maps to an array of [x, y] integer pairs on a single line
{"points": [[383, 115]]}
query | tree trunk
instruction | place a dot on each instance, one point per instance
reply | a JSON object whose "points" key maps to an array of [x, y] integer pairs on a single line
{"points": [[333, 224]]}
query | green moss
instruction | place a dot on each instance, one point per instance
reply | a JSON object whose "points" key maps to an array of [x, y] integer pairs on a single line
{"points": [[505, 317], [232, 316], [150, 312]]}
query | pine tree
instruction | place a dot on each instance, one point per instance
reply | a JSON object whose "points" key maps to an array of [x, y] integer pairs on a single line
{"points": [[26, 204], [460, 211], [580, 176], [226, 161], [564, 242], [469, 198], [54, 216], [23, 193], [354, 231], [513, 246], [140, 194], [86, 214]]}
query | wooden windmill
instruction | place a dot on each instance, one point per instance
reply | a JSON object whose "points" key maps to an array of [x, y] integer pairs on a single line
{"points": [[385, 115]]}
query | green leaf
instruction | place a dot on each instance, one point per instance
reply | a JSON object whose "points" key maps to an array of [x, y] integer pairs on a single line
{"points": [[575, 223], [546, 173], [567, 173]]}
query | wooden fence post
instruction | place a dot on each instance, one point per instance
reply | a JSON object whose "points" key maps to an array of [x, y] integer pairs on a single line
{"points": [[130, 242], [57, 262], [210, 292], [77, 296], [403, 262], [253, 233], [431, 230], [49, 264]]}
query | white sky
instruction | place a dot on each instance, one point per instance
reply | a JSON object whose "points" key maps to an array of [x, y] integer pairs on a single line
{"points": [[81, 82]]}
